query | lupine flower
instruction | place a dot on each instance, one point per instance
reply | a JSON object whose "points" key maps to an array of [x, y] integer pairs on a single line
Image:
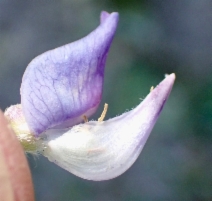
{"points": [[62, 87]]}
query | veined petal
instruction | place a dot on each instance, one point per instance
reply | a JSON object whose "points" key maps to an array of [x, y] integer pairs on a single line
{"points": [[104, 150], [61, 85]]}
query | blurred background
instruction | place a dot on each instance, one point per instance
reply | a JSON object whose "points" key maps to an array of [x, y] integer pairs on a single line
{"points": [[153, 38]]}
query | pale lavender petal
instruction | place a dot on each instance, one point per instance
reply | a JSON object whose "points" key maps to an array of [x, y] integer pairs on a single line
{"points": [[104, 150], [104, 15], [61, 85]]}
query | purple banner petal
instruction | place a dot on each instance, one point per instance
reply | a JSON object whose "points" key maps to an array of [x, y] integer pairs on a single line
{"points": [[61, 85]]}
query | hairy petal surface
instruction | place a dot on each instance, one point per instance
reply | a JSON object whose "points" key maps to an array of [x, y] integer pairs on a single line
{"points": [[104, 150], [61, 85]]}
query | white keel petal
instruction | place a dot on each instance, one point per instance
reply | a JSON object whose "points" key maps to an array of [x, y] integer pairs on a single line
{"points": [[105, 150]]}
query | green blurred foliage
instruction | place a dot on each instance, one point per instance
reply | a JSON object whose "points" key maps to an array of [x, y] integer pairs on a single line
{"points": [[153, 38], [133, 4]]}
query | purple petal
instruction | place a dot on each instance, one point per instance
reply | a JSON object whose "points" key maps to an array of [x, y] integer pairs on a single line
{"points": [[104, 15], [61, 85]]}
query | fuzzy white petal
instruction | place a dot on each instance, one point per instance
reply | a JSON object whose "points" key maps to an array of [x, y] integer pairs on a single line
{"points": [[105, 150]]}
